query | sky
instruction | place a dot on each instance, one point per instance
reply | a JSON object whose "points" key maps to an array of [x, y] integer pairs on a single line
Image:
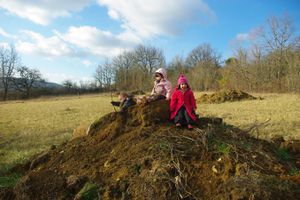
{"points": [[67, 39]]}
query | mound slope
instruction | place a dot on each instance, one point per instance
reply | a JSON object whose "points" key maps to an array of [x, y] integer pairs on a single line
{"points": [[139, 155], [225, 95]]}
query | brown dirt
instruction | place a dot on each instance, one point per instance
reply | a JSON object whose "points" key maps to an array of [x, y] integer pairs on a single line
{"points": [[140, 155], [225, 95]]}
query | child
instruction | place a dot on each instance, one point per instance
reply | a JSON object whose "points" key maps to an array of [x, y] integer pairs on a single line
{"points": [[183, 104], [162, 87], [125, 101]]}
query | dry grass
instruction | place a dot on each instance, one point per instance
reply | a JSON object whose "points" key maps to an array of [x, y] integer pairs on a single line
{"points": [[28, 127], [282, 111]]}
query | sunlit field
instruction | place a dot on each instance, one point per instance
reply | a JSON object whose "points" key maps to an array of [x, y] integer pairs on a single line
{"points": [[276, 114], [28, 127]]}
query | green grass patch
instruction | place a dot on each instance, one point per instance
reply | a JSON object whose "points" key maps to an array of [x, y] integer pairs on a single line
{"points": [[88, 192], [10, 180], [283, 154], [294, 171], [223, 148]]}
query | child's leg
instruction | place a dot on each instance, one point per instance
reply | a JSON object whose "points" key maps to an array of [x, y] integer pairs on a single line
{"points": [[179, 118], [187, 118]]}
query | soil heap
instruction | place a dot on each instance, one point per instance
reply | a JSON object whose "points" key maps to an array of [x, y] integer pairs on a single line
{"points": [[140, 155], [225, 95]]}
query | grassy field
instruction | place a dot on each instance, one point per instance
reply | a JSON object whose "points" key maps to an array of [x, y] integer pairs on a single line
{"points": [[28, 127], [276, 114]]}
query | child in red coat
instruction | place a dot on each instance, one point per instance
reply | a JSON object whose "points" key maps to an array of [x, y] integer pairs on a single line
{"points": [[183, 104]]}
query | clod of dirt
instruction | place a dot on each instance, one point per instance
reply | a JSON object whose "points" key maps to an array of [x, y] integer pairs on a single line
{"points": [[74, 183], [140, 155], [80, 131], [224, 96]]}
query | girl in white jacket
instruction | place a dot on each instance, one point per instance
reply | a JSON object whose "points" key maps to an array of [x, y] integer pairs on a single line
{"points": [[162, 88]]}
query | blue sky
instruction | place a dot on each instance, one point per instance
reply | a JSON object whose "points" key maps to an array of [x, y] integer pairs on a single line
{"points": [[66, 39]]}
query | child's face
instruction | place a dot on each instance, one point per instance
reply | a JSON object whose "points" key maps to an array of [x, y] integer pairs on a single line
{"points": [[183, 86], [122, 97], [158, 77]]}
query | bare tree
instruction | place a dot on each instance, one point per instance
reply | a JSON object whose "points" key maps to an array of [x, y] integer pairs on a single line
{"points": [[105, 74], [204, 64], [176, 67], [8, 62], [278, 34], [148, 58], [27, 79], [123, 65], [203, 53], [280, 40], [69, 85]]}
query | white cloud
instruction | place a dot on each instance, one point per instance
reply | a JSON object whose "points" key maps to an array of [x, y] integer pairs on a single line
{"points": [[250, 36], [88, 63], [242, 36], [143, 18], [77, 41], [58, 77], [99, 42], [34, 43], [4, 45], [4, 33], [155, 17], [43, 11], [61, 77]]}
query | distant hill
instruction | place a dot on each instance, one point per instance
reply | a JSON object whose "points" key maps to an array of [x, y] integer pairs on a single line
{"points": [[45, 84], [38, 84]]}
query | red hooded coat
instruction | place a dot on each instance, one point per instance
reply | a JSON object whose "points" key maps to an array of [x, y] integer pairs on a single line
{"points": [[186, 99]]}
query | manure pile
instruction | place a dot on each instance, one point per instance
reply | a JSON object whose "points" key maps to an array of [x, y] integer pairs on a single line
{"points": [[224, 96], [140, 155]]}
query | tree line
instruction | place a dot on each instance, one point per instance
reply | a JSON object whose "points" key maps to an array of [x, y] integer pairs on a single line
{"points": [[270, 63], [15, 76]]}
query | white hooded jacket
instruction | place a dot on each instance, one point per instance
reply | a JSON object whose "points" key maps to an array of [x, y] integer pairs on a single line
{"points": [[164, 87]]}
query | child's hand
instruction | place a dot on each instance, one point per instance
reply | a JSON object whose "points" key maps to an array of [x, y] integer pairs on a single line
{"points": [[115, 103]]}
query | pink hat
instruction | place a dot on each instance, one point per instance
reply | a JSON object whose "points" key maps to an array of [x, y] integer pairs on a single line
{"points": [[182, 79]]}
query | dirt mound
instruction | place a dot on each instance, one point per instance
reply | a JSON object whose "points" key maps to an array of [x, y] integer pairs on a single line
{"points": [[225, 95], [133, 92], [137, 92], [140, 155]]}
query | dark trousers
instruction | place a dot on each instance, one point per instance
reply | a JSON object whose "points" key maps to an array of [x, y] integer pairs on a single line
{"points": [[183, 117]]}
